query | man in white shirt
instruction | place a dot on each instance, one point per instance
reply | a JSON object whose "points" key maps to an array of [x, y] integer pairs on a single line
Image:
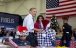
{"points": [[29, 23]]}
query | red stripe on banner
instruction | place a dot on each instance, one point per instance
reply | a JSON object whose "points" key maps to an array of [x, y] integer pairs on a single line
{"points": [[67, 3], [66, 8], [50, 13], [72, 15], [64, 14], [61, 1]]}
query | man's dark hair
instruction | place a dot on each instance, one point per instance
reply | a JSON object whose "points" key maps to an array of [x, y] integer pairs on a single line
{"points": [[31, 9], [65, 18]]}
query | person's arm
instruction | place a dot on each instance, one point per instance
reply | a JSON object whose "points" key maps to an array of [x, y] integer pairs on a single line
{"points": [[6, 42], [38, 30], [71, 31], [64, 36], [30, 25], [72, 37]]}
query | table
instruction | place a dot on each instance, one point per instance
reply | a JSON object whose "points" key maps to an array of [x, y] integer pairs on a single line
{"points": [[4, 46], [47, 47], [33, 47]]}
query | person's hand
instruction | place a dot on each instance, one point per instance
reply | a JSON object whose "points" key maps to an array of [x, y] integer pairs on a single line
{"points": [[72, 38], [39, 30], [64, 41]]}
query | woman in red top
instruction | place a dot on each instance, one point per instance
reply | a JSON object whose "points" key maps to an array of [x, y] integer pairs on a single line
{"points": [[38, 23]]}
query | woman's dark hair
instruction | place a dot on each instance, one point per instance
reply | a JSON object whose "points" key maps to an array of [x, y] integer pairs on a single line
{"points": [[39, 17]]}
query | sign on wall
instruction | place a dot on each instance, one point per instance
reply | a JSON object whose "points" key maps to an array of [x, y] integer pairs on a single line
{"points": [[9, 20]]}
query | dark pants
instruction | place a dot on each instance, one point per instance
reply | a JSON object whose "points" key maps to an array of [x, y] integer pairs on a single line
{"points": [[53, 43], [67, 44], [32, 39]]}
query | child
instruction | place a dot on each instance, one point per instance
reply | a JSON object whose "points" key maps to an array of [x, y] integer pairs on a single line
{"points": [[22, 34]]}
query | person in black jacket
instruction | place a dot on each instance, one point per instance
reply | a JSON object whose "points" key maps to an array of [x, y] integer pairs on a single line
{"points": [[13, 33], [3, 31], [67, 32]]}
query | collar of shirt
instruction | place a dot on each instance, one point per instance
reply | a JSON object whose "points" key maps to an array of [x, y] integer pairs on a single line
{"points": [[31, 16]]}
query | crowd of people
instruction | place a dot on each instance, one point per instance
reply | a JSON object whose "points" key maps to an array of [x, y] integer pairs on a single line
{"points": [[40, 32], [4, 32]]}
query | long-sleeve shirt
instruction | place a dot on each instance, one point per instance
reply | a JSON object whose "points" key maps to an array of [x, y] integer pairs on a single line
{"points": [[29, 23]]}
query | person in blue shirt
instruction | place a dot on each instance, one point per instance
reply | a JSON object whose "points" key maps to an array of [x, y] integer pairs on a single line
{"points": [[21, 41], [22, 34]]}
